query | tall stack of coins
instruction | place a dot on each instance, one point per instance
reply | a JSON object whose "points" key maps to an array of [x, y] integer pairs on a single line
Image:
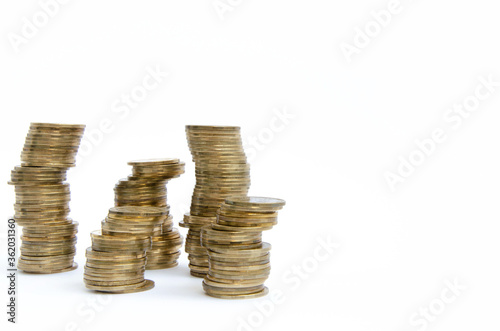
{"points": [[42, 197], [239, 262], [147, 187], [117, 259], [221, 171]]}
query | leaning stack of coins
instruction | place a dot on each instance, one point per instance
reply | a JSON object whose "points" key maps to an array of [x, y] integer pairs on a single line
{"points": [[221, 171], [147, 187], [42, 197], [117, 259], [239, 262]]}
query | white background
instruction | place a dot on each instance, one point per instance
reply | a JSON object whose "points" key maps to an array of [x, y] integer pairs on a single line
{"points": [[352, 121]]}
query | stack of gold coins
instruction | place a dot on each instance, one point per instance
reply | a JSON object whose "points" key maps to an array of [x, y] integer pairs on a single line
{"points": [[198, 258], [42, 197], [132, 220], [239, 262], [117, 259], [221, 171], [52, 145], [165, 250], [136, 192], [147, 187], [116, 264], [147, 184]]}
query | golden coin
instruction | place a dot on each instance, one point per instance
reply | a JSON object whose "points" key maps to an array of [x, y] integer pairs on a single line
{"points": [[57, 126], [258, 202], [263, 292], [42, 270], [166, 161]]}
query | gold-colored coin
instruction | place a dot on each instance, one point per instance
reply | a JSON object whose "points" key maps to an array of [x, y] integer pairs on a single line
{"points": [[58, 126], [46, 270], [262, 203], [146, 162], [261, 293], [143, 286], [136, 211]]}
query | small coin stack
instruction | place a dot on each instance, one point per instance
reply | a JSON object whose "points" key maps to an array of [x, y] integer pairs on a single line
{"points": [[239, 262], [221, 171], [42, 197], [147, 187], [117, 259]]}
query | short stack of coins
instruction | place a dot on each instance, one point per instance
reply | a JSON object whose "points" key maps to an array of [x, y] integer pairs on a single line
{"points": [[221, 171], [147, 187], [239, 262], [116, 264], [117, 259], [42, 198]]}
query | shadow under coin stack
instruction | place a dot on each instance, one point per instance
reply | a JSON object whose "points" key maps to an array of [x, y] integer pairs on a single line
{"points": [[147, 187], [117, 259], [239, 262], [42, 198], [221, 171]]}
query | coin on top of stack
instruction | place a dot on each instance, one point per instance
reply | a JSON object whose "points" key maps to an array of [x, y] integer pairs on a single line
{"points": [[42, 197], [239, 262], [221, 171]]}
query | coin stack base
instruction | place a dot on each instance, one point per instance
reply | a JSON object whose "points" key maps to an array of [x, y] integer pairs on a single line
{"points": [[117, 260]]}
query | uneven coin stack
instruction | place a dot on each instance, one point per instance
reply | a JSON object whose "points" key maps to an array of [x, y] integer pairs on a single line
{"points": [[42, 197], [239, 262], [221, 171], [117, 259], [147, 187]]}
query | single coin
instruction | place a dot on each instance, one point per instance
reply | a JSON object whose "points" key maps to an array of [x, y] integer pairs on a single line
{"points": [[263, 292], [263, 202]]}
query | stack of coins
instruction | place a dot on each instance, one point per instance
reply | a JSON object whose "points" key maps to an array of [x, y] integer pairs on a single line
{"points": [[134, 220], [221, 171], [52, 145], [113, 270], [165, 250], [239, 262], [42, 197], [147, 187], [147, 184], [117, 259], [198, 258]]}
